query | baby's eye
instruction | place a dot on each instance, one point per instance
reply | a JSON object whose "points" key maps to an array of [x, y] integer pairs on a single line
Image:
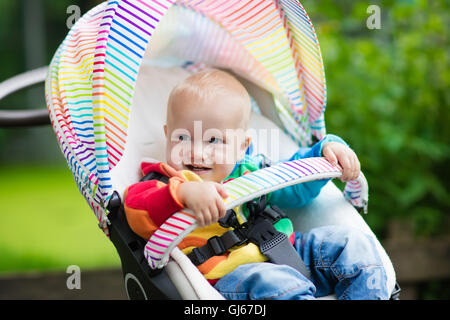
{"points": [[183, 137], [215, 140]]}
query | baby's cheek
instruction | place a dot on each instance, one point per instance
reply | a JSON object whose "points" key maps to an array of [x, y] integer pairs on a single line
{"points": [[218, 155], [222, 171], [176, 153]]}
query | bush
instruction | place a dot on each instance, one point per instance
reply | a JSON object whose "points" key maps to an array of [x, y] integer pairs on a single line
{"points": [[388, 97]]}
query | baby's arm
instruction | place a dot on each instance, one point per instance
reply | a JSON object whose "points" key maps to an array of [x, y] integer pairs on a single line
{"points": [[149, 203], [205, 199], [335, 150]]}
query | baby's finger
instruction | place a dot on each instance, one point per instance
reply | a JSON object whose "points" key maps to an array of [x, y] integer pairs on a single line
{"points": [[346, 166], [221, 190], [214, 213], [200, 219], [330, 156], [351, 171], [206, 217], [221, 207], [356, 167]]}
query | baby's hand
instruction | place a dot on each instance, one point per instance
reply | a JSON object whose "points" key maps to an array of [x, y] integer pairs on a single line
{"points": [[336, 152], [205, 199]]}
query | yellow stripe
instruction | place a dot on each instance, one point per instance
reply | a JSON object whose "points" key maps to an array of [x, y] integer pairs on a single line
{"points": [[267, 45], [110, 106], [72, 66], [230, 196], [312, 67], [265, 39], [306, 42], [126, 110], [109, 113], [274, 49], [74, 78], [312, 61]]}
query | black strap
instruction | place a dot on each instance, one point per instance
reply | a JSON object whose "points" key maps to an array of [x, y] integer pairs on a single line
{"points": [[275, 245], [217, 246], [279, 250], [153, 175], [259, 230]]}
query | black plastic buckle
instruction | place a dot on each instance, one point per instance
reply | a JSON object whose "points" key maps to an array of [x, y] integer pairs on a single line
{"points": [[197, 257], [216, 245], [273, 213], [234, 238], [256, 206], [261, 230], [230, 220]]}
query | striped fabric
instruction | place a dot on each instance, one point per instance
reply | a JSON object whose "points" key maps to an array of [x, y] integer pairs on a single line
{"points": [[239, 190], [357, 193], [92, 76]]}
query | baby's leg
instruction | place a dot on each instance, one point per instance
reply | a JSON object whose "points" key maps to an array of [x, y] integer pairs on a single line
{"points": [[261, 281], [344, 261]]}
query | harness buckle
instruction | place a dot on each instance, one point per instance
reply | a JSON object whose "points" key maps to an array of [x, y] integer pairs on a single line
{"points": [[273, 213], [216, 245], [230, 220], [260, 231]]}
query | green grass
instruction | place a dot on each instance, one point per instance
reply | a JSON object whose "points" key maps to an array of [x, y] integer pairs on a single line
{"points": [[45, 223]]}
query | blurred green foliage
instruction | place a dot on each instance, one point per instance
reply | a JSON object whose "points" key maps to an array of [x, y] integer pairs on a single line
{"points": [[388, 96]]}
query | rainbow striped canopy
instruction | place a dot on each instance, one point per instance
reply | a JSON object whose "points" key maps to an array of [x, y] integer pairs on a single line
{"points": [[91, 79]]}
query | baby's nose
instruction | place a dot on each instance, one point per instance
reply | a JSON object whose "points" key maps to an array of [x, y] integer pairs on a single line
{"points": [[197, 153]]}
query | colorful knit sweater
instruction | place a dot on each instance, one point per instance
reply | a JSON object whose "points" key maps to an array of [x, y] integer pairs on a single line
{"points": [[149, 203]]}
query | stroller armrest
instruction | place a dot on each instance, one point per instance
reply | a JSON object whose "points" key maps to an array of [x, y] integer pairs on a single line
{"points": [[246, 188], [23, 118]]}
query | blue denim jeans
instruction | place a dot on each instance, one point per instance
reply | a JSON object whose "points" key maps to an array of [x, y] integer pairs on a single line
{"points": [[341, 260]]}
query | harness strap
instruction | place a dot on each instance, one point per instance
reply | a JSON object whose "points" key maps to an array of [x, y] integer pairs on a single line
{"points": [[259, 230], [153, 175], [217, 246], [275, 245]]}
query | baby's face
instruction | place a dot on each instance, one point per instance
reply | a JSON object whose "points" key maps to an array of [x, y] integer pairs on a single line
{"points": [[207, 138]]}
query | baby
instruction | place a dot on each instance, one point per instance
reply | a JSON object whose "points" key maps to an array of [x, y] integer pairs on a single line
{"points": [[207, 120]]}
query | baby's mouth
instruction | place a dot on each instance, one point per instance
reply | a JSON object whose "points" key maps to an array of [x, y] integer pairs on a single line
{"points": [[197, 168]]}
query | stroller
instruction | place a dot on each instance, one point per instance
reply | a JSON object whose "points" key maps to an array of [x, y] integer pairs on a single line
{"points": [[107, 89]]}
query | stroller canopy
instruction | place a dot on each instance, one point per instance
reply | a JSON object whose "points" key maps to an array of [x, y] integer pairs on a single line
{"points": [[91, 79]]}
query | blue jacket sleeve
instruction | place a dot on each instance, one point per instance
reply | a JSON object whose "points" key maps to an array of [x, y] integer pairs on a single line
{"points": [[301, 194]]}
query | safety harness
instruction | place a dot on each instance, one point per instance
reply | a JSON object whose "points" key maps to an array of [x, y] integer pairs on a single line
{"points": [[258, 229]]}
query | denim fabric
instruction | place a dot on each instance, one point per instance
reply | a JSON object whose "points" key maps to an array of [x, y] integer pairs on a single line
{"points": [[341, 260]]}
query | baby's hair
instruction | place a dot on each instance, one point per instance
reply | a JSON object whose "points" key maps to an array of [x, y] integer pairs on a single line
{"points": [[213, 83]]}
